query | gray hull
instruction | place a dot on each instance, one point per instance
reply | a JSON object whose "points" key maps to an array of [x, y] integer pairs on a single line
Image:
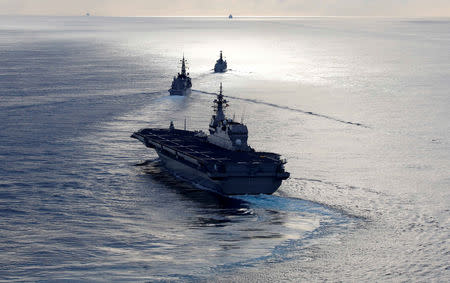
{"points": [[189, 155], [230, 185], [220, 68], [181, 92]]}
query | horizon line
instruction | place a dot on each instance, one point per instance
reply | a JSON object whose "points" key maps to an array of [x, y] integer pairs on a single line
{"points": [[222, 16]]}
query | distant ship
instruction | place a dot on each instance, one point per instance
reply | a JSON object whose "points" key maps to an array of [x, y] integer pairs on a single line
{"points": [[221, 65], [221, 161], [230, 16], [181, 84]]}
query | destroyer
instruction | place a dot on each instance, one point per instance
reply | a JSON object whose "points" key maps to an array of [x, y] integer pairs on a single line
{"points": [[221, 65], [181, 84], [221, 161]]}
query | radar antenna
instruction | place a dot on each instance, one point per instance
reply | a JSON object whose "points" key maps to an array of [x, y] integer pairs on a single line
{"points": [[183, 66]]}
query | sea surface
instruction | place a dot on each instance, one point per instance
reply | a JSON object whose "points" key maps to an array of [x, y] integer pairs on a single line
{"points": [[360, 108]]}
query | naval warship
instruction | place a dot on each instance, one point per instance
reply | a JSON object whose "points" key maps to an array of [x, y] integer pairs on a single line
{"points": [[222, 161], [221, 65], [181, 84]]}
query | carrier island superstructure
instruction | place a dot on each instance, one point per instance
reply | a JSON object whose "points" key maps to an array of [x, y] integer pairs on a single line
{"points": [[220, 161]]}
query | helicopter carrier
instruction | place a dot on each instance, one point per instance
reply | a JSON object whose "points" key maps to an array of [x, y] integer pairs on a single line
{"points": [[181, 84], [221, 161], [221, 65]]}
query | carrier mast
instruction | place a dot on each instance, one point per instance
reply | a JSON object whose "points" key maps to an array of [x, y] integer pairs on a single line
{"points": [[219, 105]]}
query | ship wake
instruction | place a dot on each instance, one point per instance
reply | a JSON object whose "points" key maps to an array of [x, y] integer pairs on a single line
{"points": [[256, 101]]}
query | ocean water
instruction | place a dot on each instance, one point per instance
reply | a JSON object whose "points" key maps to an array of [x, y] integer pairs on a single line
{"points": [[358, 106]]}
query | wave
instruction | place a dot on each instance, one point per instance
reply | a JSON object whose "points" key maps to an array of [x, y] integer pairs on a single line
{"points": [[53, 101]]}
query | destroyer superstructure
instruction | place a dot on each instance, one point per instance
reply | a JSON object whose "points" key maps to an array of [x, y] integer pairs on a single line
{"points": [[181, 84], [221, 161], [221, 65]]}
